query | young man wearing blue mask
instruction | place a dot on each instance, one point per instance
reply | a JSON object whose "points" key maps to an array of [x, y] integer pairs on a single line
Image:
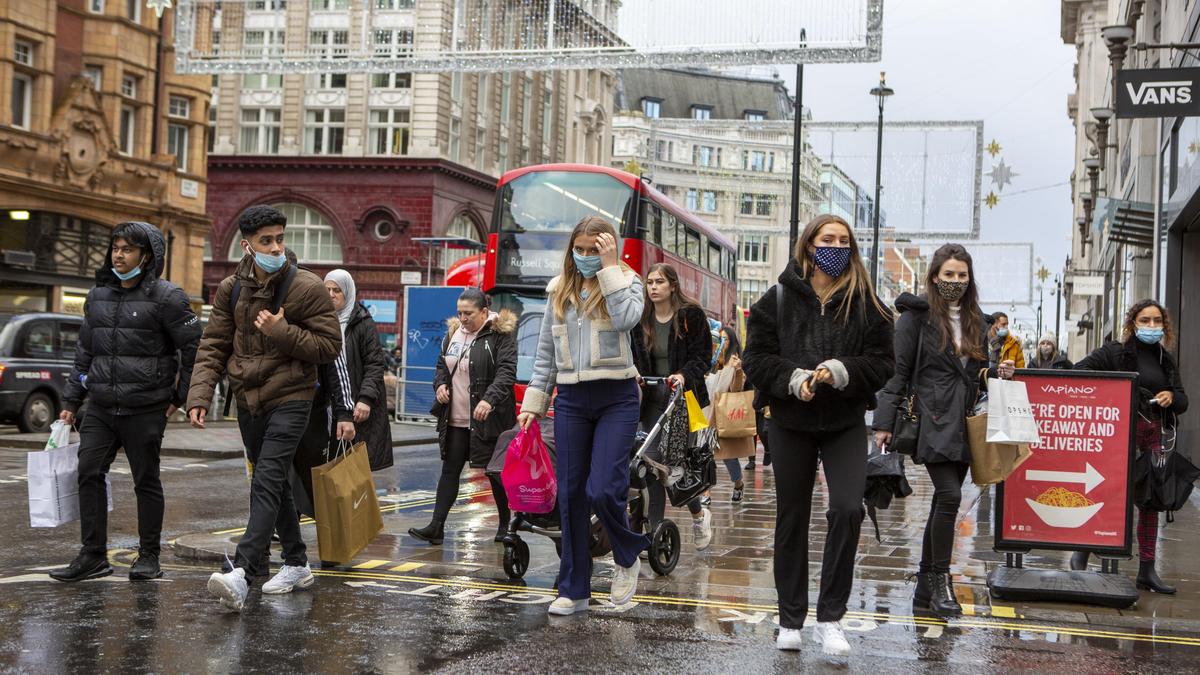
{"points": [[133, 362], [270, 335], [1003, 346]]}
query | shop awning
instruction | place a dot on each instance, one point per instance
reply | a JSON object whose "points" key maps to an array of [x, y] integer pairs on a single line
{"points": [[1124, 221]]}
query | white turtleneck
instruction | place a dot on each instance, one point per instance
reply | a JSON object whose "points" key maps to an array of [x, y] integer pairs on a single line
{"points": [[956, 324]]}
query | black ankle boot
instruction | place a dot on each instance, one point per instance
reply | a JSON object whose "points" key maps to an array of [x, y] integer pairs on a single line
{"points": [[1079, 560], [433, 533], [501, 534], [942, 602], [1148, 579], [924, 591]]}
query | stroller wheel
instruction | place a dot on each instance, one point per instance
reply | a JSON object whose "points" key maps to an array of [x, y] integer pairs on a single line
{"points": [[516, 558], [664, 548]]}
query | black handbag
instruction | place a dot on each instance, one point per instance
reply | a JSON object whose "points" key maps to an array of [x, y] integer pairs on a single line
{"points": [[1163, 481], [906, 430]]}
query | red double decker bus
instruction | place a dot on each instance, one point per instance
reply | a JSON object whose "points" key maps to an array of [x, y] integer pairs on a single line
{"points": [[538, 206]]}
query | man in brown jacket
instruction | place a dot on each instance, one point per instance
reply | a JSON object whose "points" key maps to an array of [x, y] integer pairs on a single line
{"points": [[270, 334]]}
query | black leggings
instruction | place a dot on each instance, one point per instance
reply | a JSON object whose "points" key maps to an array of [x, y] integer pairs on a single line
{"points": [[938, 543], [843, 454], [458, 449]]}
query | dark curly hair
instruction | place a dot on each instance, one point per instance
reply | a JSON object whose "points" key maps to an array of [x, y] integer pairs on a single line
{"points": [[257, 217], [1129, 329], [132, 233]]}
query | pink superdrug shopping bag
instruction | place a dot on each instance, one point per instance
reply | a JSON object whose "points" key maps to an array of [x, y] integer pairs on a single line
{"points": [[528, 475]]}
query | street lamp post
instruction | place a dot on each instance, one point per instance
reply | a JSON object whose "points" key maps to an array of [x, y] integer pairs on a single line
{"points": [[880, 93], [797, 151], [1057, 306]]}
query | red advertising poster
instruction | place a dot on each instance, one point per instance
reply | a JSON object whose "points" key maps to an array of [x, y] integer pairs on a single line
{"points": [[1074, 491]]}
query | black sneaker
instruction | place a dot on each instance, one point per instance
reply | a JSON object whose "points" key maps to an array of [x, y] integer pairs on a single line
{"points": [[84, 566], [145, 568], [737, 494]]}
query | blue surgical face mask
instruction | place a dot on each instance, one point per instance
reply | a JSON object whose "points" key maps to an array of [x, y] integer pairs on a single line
{"points": [[1002, 332], [588, 265], [269, 263], [128, 275], [1150, 336]]}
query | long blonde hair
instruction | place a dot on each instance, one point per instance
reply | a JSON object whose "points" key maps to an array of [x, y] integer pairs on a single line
{"points": [[855, 281], [571, 283]]}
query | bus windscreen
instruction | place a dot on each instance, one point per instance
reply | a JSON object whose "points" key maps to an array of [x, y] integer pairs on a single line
{"points": [[538, 211]]}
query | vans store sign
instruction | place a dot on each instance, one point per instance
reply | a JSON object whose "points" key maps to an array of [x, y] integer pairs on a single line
{"points": [[1158, 92]]}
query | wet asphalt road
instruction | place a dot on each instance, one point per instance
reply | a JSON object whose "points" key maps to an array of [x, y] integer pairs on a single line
{"points": [[405, 607]]}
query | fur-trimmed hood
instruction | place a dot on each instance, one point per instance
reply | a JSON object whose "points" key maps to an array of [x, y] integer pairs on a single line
{"points": [[504, 321]]}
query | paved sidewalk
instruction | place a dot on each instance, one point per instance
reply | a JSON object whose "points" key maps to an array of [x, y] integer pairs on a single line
{"points": [[220, 440]]}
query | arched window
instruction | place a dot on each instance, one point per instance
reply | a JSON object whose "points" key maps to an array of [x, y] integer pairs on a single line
{"points": [[308, 234], [461, 226]]}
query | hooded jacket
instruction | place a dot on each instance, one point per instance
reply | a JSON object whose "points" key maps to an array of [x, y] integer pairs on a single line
{"points": [[362, 382], [493, 364], [808, 335], [946, 389], [136, 345], [272, 367], [688, 353]]}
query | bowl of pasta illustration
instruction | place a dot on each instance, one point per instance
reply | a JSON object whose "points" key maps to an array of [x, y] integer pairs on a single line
{"points": [[1060, 507]]}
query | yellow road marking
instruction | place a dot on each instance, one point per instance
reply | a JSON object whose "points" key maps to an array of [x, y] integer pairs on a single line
{"points": [[372, 564], [407, 567], [1001, 612], [880, 617]]}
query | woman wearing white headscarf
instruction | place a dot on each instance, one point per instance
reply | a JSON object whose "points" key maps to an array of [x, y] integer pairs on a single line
{"points": [[360, 368]]}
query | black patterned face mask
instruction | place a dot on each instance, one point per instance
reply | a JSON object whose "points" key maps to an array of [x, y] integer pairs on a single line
{"points": [[951, 291]]}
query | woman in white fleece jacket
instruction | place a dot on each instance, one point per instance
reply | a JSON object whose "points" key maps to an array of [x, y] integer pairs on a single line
{"points": [[584, 349]]}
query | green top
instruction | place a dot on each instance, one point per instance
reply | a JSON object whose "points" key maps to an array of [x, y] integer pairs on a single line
{"points": [[662, 337]]}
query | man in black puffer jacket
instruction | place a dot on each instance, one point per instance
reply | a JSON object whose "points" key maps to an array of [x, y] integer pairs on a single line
{"points": [[134, 363]]}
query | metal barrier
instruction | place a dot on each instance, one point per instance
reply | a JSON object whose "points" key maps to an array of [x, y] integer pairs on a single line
{"points": [[414, 394]]}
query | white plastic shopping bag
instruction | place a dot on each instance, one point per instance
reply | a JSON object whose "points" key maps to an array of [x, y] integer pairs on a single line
{"points": [[1010, 417], [54, 480]]}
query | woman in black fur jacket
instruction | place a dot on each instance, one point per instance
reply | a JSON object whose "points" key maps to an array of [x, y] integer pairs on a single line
{"points": [[819, 352]]}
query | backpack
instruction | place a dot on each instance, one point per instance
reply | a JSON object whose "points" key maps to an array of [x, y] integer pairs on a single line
{"points": [[281, 292]]}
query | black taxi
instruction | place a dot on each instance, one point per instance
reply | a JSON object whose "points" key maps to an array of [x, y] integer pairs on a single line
{"points": [[37, 350]]}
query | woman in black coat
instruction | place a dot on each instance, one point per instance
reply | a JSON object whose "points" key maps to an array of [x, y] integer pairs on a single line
{"points": [[672, 341], [818, 346], [941, 353], [475, 402], [361, 367], [1147, 336]]}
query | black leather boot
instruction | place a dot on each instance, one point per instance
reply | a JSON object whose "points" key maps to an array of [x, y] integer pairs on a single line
{"points": [[501, 533], [433, 533], [923, 592], [145, 568], [1079, 560], [1148, 579], [942, 602]]}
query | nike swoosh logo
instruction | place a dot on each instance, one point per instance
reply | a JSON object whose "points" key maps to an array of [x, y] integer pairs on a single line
{"points": [[359, 500]]}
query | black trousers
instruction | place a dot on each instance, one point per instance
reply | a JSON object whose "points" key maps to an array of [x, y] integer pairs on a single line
{"points": [[100, 436], [938, 542], [458, 451], [271, 440], [844, 457]]}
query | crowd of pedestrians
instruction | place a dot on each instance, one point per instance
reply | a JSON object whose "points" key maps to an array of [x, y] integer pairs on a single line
{"points": [[307, 372]]}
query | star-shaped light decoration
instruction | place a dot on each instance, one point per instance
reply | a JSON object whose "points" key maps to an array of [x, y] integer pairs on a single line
{"points": [[1043, 274], [159, 6], [991, 200], [1001, 175], [1193, 147], [993, 148]]}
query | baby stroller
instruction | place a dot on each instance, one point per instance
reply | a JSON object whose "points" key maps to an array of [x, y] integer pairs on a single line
{"points": [[664, 540]]}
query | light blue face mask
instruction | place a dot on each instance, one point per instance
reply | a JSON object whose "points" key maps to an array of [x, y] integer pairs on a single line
{"points": [[588, 265], [269, 263], [1150, 336], [128, 275], [1002, 332]]}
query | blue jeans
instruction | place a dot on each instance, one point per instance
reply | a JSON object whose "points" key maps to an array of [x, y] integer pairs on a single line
{"points": [[734, 466], [594, 427]]}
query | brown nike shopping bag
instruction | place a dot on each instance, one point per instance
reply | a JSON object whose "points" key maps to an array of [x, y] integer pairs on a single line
{"points": [[347, 511], [992, 463]]}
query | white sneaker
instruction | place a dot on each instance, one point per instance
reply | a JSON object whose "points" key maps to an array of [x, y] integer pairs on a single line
{"points": [[831, 638], [231, 588], [702, 529], [289, 578], [625, 582], [567, 606], [790, 639]]}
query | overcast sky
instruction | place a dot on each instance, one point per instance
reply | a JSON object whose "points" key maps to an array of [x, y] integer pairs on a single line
{"points": [[1001, 61]]}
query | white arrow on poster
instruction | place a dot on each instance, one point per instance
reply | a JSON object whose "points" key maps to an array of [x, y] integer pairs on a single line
{"points": [[1090, 477]]}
